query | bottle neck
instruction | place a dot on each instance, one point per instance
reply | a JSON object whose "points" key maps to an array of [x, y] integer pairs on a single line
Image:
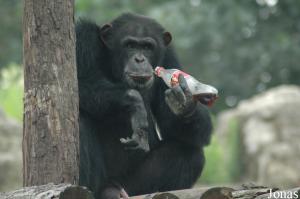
{"points": [[158, 70]]}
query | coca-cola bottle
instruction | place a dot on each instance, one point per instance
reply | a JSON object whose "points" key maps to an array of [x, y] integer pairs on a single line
{"points": [[204, 93]]}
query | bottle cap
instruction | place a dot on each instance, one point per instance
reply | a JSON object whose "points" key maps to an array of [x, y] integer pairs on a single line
{"points": [[158, 70]]}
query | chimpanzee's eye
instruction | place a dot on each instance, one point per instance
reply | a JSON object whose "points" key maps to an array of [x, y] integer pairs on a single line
{"points": [[148, 46], [130, 45]]}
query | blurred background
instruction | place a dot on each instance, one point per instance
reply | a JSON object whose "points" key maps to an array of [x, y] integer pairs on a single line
{"points": [[249, 50]]}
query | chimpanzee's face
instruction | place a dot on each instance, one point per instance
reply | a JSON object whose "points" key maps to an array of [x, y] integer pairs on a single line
{"points": [[136, 49], [140, 55]]}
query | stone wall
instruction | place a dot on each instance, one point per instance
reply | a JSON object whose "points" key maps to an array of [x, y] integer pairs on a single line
{"points": [[269, 129]]}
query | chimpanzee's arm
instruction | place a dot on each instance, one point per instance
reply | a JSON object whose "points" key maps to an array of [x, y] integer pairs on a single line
{"points": [[102, 98], [97, 94], [182, 120], [99, 97], [194, 128]]}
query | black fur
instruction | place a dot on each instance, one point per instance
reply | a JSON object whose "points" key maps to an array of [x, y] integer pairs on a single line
{"points": [[105, 108]]}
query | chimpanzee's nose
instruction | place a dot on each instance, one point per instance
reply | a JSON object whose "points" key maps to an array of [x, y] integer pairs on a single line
{"points": [[139, 58]]}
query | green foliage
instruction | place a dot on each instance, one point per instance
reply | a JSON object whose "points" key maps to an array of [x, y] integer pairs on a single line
{"points": [[215, 171], [222, 158], [241, 47], [234, 151], [10, 32], [11, 91]]}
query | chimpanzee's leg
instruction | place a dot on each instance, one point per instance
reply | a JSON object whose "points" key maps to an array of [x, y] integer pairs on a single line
{"points": [[169, 167], [92, 169]]}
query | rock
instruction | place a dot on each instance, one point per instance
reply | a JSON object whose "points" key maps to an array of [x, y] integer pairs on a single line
{"points": [[269, 129], [10, 153]]}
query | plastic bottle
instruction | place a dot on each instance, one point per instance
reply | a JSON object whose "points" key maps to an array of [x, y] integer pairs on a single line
{"points": [[206, 94]]}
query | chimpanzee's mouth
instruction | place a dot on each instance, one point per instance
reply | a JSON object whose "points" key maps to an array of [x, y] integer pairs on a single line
{"points": [[139, 81]]}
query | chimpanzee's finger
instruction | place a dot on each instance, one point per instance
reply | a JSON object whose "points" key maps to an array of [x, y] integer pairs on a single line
{"points": [[128, 142], [171, 99], [184, 86], [179, 94]]}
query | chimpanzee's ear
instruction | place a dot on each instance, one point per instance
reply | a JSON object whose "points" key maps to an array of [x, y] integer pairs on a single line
{"points": [[105, 33], [167, 38]]}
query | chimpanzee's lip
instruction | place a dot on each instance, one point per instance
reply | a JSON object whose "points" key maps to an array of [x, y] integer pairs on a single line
{"points": [[139, 82], [140, 79]]}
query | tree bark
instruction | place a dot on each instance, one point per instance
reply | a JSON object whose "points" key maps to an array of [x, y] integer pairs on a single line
{"points": [[240, 192], [51, 133], [49, 191]]}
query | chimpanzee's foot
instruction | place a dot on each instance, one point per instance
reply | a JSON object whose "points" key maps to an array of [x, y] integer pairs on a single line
{"points": [[113, 193]]}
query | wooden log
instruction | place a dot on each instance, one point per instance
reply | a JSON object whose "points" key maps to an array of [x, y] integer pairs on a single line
{"points": [[68, 191], [289, 193], [244, 192], [195, 193], [251, 192], [181, 194], [49, 191]]}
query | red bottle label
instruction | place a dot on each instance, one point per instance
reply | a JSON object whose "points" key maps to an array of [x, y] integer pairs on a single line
{"points": [[175, 77]]}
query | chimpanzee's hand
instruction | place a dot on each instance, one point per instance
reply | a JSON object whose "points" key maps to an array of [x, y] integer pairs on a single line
{"points": [[180, 99], [138, 141], [139, 124]]}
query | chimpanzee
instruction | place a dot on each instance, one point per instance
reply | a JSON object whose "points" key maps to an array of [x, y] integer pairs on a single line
{"points": [[137, 136]]}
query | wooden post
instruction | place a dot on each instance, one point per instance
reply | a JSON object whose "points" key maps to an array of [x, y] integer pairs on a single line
{"points": [[51, 132]]}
